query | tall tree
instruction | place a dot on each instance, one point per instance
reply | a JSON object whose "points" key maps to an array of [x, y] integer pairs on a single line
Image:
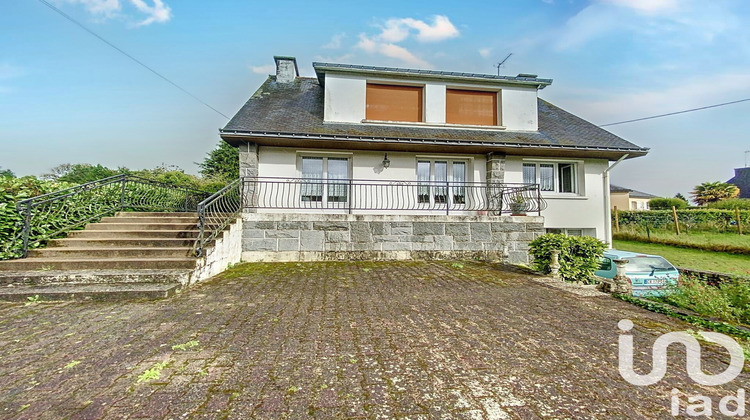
{"points": [[711, 192], [681, 197], [6, 173], [222, 162]]}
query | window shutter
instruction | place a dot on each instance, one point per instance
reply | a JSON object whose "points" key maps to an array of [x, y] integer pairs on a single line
{"points": [[470, 107], [393, 103]]}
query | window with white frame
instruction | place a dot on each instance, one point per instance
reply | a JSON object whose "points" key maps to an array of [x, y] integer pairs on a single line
{"points": [[441, 181], [326, 179], [558, 177]]}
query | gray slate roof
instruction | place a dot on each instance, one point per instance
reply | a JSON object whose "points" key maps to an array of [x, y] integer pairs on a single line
{"points": [[633, 193], [742, 180], [296, 109]]}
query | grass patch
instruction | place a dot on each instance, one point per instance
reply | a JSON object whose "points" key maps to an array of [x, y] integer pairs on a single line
{"points": [[186, 346], [692, 258], [153, 373], [72, 364], [730, 302], [709, 241]]}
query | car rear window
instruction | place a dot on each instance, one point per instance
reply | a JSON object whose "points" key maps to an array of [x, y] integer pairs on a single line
{"points": [[649, 264]]}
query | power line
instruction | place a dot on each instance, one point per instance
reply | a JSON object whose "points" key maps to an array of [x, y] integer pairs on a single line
{"points": [[678, 112], [142, 64]]}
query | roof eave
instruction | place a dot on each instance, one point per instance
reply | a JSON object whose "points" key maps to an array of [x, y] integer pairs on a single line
{"points": [[237, 136], [322, 68]]}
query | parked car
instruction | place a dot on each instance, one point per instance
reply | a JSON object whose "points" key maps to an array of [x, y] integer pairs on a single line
{"points": [[651, 275]]}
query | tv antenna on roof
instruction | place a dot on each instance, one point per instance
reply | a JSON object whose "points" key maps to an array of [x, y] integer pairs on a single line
{"points": [[500, 64]]}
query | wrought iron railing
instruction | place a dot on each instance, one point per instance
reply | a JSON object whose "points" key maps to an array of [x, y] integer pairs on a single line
{"points": [[48, 216], [349, 195], [216, 212]]}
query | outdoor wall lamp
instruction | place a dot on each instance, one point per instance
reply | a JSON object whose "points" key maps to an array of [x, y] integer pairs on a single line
{"points": [[386, 162]]}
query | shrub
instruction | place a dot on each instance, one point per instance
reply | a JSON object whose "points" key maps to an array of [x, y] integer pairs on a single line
{"points": [[662, 203], [17, 189], [728, 302], [731, 204], [579, 255]]}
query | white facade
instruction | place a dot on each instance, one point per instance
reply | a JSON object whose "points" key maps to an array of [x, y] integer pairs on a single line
{"points": [[582, 210], [345, 101], [579, 212]]}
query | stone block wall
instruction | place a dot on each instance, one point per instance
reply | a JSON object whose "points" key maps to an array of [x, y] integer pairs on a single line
{"points": [[311, 237]]}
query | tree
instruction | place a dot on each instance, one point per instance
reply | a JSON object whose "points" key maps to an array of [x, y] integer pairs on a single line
{"points": [[222, 162], [81, 173], [681, 197], [662, 203], [711, 192], [6, 173]]}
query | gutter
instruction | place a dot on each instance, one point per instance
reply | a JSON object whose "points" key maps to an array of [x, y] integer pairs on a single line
{"points": [[333, 137], [607, 202]]}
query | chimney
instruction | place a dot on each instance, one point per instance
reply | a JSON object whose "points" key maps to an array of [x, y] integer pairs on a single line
{"points": [[286, 69]]}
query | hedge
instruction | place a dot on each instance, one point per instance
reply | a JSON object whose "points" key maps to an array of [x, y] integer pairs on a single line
{"points": [[720, 219]]}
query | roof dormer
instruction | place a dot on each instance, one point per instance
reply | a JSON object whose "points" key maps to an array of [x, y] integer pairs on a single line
{"points": [[393, 96]]}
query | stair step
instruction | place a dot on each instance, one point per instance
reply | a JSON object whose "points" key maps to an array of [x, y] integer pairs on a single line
{"points": [[111, 252], [51, 277], [165, 219], [122, 242], [141, 226], [98, 292], [126, 234], [42, 264], [152, 214]]}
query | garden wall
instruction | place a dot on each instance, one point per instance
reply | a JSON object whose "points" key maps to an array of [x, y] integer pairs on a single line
{"points": [[314, 237]]}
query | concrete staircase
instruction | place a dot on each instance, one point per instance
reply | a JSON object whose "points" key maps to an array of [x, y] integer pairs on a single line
{"points": [[135, 255]]}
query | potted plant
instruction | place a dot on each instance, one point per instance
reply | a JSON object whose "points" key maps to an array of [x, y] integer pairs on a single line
{"points": [[518, 205]]}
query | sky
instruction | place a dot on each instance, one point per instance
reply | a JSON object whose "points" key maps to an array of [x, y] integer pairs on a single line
{"points": [[66, 97]]}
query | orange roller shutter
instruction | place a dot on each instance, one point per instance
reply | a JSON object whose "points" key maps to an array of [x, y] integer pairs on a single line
{"points": [[394, 103], [470, 107]]}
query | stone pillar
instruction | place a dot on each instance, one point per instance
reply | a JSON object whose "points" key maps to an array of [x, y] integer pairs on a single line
{"points": [[622, 282], [554, 266], [248, 170], [495, 175]]}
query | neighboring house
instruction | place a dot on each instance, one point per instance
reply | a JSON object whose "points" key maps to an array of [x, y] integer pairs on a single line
{"points": [[627, 199], [398, 149], [742, 181]]}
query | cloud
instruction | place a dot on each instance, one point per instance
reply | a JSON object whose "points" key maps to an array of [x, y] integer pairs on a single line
{"points": [[157, 12], [485, 52], [267, 69], [646, 6], [335, 42], [398, 29], [391, 50]]}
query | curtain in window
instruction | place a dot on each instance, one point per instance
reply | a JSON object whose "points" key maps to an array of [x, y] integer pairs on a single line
{"points": [[459, 179], [547, 176], [529, 173], [338, 169], [441, 177], [312, 169], [423, 182]]}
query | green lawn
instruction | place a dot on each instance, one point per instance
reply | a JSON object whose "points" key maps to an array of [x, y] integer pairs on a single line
{"points": [[692, 258], [726, 242]]}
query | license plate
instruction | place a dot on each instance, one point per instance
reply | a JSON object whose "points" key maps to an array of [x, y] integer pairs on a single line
{"points": [[655, 282]]}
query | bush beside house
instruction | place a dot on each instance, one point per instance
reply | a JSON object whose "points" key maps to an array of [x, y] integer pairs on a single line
{"points": [[579, 255]]}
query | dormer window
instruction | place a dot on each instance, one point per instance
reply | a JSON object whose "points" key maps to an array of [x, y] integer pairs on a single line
{"points": [[394, 103], [470, 107]]}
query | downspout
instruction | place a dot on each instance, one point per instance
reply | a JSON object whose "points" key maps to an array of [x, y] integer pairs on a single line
{"points": [[607, 204]]}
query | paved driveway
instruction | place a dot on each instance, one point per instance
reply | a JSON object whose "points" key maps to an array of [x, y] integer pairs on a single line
{"points": [[336, 340]]}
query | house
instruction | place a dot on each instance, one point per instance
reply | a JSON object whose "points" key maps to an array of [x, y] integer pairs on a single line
{"points": [[379, 162], [627, 199], [742, 180]]}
